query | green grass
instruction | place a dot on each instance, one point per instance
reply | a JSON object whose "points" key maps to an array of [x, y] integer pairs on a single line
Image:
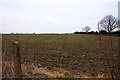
{"points": [[74, 52]]}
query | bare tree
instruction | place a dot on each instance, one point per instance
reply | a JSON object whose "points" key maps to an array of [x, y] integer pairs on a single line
{"points": [[119, 24], [86, 29], [109, 23]]}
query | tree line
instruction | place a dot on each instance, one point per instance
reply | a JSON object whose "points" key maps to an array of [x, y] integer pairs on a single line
{"points": [[106, 26]]}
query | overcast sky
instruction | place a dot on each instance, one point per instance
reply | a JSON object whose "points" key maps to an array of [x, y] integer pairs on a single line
{"points": [[53, 16]]}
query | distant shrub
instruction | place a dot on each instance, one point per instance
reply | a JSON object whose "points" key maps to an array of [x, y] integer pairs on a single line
{"points": [[76, 32], [103, 32], [12, 33], [80, 33], [115, 32], [93, 32]]}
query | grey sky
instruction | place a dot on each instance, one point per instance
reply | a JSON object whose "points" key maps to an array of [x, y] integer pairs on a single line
{"points": [[53, 16]]}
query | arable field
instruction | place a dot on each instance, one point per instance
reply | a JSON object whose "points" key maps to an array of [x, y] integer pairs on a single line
{"points": [[62, 55]]}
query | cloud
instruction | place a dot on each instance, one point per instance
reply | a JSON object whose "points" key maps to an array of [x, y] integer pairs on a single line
{"points": [[53, 15]]}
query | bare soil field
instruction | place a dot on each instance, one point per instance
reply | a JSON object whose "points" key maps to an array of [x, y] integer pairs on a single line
{"points": [[61, 55]]}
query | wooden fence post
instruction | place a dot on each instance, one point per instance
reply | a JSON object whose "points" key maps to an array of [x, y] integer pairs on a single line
{"points": [[17, 60]]}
